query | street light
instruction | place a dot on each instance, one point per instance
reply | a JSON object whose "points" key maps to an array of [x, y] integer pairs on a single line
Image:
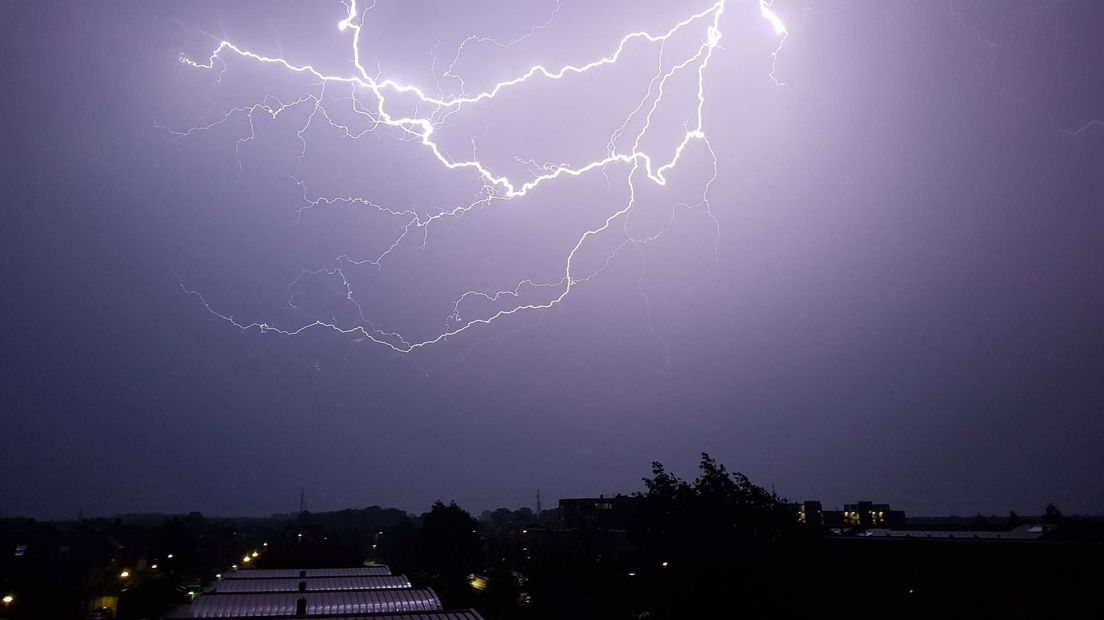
{"points": [[124, 574], [8, 599]]}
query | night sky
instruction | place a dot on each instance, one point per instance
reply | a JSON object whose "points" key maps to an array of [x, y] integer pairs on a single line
{"points": [[895, 294]]}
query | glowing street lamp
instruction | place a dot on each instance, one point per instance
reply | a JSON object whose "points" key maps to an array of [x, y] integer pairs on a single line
{"points": [[8, 599], [124, 574]]}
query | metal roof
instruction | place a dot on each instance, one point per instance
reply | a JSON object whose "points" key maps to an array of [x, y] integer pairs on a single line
{"points": [[466, 614], [1020, 533], [298, 573], [455, 615], [317, 603], [313, 584]]}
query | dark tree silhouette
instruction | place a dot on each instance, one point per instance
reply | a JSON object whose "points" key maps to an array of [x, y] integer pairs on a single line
{"points": [[450, 544], [720, 533]]}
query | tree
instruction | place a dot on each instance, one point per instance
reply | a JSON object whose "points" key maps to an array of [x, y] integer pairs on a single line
{"points": [[719, 533], [450, 545]]}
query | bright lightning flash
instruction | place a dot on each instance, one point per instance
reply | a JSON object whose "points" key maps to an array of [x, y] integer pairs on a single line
{"points": [[421, 127]]}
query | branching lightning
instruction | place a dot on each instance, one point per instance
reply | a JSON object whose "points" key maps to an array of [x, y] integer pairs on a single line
{"points": [[371, 98]]}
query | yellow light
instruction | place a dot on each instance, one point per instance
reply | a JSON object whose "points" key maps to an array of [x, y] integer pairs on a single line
{"points": [[255, 554], [246, 559], [124, 574], [8, 599]]}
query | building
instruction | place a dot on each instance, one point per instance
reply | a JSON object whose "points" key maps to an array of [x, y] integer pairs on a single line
{"points": [[858, 516], [320, 593], [810, 513], [310, 573], [603, 513], [866, 515], [312, 584], [1023, 532]]}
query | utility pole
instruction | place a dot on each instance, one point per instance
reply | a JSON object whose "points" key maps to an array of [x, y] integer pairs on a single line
{"points": [[538, 502], [302, 500]]}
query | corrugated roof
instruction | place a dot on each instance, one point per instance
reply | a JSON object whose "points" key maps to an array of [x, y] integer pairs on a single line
{"points": [[317, 603], [313, 584], [466, 614], [463, 614], [297, 573], [1020, 533]]}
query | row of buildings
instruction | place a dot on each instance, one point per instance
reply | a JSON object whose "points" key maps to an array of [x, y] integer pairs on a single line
{"points": [[616, 513], [861, 515]]}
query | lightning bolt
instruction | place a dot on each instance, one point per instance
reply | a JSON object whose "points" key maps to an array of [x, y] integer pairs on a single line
{"points": [[371, 98]]}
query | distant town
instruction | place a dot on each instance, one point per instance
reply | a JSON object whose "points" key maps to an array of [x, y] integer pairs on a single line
{"points": [[675, 549]]}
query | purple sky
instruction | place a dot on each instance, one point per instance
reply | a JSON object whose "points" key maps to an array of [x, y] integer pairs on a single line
{"points": [[896, 293]]}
